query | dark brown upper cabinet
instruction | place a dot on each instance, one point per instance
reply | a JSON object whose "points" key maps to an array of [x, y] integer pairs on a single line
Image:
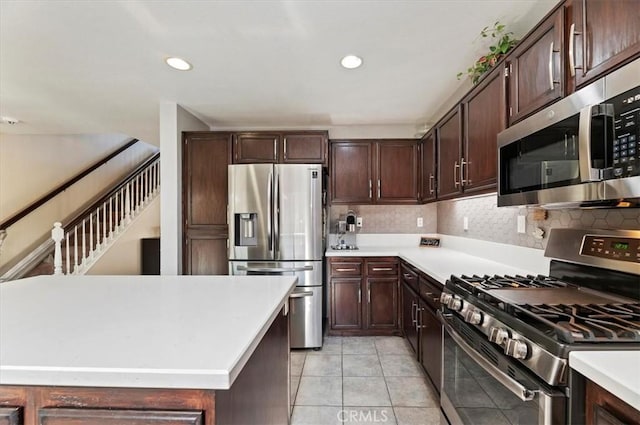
{"points": [[397, 172], [484, 118], [351, 170], [428, 185], [204, 190], [611, 37], [290, 147], [374, 171], [449, 133], [536, 69]]}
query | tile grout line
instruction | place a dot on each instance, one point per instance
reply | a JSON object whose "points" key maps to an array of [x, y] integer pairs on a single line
{"points": [[384, 378]]}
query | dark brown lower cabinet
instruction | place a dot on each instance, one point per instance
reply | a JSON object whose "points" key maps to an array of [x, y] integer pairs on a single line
{"points": [[410, 302], [431, 344], [346, 303], [259, 395], [382, 303], [10, 416], [206, 254], [604, 408]]}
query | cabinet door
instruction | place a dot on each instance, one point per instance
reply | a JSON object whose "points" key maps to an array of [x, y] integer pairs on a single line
{"points": [[61, 416], [10, 416], [397, 172], [409, 316], [304, 148], [206, 254], [382, 303], [346, 303], [484, 111], [255, 147], [536, 69], [449, 150], [351, 173], [604, 408], [205, 160], [428, 169], [611, 37], [431, 344]]}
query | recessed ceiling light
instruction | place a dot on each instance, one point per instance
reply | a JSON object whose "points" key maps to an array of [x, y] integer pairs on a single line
{"points": [[351, 61], [178, 63]]}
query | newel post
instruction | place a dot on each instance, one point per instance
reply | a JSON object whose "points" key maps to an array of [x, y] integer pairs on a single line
{"points": [[57, 234]]}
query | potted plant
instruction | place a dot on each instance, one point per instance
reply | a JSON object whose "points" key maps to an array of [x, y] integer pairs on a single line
{"points": [[505, 42]]}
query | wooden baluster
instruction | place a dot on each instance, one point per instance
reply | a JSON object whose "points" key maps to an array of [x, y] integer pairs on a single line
{"points": [[57, 233], [75, 249], [68, 258], [127, 201], [104, 223], [84, 241], [111, 217], [90, 235], [98, 229]]}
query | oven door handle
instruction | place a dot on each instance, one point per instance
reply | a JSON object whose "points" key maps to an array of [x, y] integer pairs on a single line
{"points": [[511, 384]]}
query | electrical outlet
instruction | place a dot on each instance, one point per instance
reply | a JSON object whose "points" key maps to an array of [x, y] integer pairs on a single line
{"points": [[419, 222], [358, 221], [465, 223], [522, 224]]}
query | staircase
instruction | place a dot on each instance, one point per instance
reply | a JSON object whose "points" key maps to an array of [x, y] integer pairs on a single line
{"points": [[76, 245]]}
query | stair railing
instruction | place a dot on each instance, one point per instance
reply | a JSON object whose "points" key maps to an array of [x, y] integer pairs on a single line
{"points": [[87, 237]]}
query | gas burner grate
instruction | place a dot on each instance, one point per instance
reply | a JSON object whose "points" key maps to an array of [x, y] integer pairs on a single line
{"points": [[587, 323], [476, 284]]}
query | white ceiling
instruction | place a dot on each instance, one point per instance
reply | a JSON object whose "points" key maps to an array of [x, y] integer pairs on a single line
{"points": [[69, 67]]}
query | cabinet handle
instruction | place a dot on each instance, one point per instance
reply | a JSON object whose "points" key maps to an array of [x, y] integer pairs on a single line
{"points": [[370, 193], [419, 318], [413, 312], [359, 296], [463, 182], [382, 269], [431, 184], [275, 148], [551, 81], [456, 183], [407, 276], [369, 295], [345, 270], [572, 59], [378, 188], [284, 147]]}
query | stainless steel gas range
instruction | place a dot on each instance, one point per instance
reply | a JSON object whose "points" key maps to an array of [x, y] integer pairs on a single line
{"points": [[507, 339]]}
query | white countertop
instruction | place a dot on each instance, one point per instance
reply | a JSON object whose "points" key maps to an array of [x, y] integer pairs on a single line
{"points": [[135, 331], [440, 263], [616, 371]]}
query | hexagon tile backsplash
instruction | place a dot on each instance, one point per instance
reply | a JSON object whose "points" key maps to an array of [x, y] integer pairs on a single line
{"points": [[488, 222]]}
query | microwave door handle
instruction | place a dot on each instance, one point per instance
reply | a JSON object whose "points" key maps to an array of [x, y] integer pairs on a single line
{"points": [[587, 173], [511, 384]]}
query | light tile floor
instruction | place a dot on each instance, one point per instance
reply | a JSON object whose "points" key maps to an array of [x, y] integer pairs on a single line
{"points": [[361, 380]]}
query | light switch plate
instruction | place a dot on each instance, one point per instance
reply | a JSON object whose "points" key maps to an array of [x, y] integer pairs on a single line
{"points": [[419, 222], [465, 223], [358, 221]]}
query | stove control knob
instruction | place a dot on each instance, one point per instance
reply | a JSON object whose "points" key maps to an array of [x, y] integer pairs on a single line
{"points": [[455, 304], [473, 316], [498, 335], [444, 298], [516, 349]]}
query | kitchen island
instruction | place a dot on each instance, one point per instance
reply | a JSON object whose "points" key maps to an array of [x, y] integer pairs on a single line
{"points": [[156, 349]]}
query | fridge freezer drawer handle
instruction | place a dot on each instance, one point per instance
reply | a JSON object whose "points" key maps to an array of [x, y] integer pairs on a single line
{"points": [[275, 269], [511, 384], [301, 294]]}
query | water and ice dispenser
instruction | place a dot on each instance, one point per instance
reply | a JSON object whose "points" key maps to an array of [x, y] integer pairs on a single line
{"points": [[245, 229]]}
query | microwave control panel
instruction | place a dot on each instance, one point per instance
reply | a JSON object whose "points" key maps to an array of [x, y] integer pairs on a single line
{"points": [[611, 247], [626, 155]]}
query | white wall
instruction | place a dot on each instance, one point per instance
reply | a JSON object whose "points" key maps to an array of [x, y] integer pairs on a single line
{"points": [[173, 121], [32, 165], [124, 257]]}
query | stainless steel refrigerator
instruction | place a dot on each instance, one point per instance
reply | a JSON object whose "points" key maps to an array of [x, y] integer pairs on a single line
{"points": [[275, 228]]}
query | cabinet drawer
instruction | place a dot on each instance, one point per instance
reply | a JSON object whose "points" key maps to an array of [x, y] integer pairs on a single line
{"points": [[65, 416], [429, 291], [409, 275], [346, 268], [382, 268]]}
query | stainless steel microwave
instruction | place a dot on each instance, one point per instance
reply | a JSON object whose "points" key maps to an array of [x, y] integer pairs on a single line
{"points": [[581, 151]]}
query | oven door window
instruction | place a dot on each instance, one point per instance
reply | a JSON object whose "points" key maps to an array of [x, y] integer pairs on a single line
{"points": [[472, 395]]}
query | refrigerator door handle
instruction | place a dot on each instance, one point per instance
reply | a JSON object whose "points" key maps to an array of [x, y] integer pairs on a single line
{"points": [[301, 294], [276, 220], [269, 212], [275, 269]]}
